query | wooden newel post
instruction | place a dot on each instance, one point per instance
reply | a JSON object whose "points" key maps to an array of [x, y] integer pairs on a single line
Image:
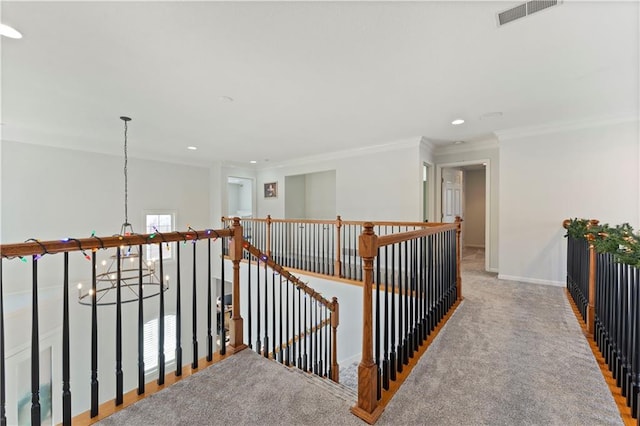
{"points": [[268, 248], [235, 253], [591, 309], [367, 407], [458, 260], [335, 320], [338, 264]]}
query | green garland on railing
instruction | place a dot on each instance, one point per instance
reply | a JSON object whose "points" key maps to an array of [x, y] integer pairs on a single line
{"points": [[621, 240]]}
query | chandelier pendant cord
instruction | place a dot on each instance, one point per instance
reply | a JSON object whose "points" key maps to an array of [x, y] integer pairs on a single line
{"points": [[126, 192], [126, 224]]}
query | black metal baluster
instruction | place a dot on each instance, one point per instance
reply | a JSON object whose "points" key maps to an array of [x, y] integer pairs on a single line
{"points": [[209, 299], [323, 264], [119, 377], [280, 345], [400, 352], [178, 314], [416, 293], [294, 337], [250, 311], [94, 339], [161, 366], [624, 325], [141, 378], [3, 387], [377, 329], [315, 336], [635, 370], [306, 336], [299, 359], [265, 346], [392, 356], [356, 257], [223, 314], [424, 271], [406, 341], [345, 242], [35, 348], [66, 388], [385, 361], [287, 354], [273, 314], [194, 311], [330, 345], [258, 310]]}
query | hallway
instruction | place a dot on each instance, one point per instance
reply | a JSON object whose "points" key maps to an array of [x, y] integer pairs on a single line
{"points": [[512, 354]]}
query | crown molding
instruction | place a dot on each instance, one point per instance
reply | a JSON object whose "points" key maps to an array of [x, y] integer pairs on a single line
{"points": [[561, 126], [471, 146], [413, 142]]}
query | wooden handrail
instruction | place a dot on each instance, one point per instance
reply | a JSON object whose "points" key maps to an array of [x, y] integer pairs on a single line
{"points": [[35, 247], [288, 275], [386, 240], [344, 222]]}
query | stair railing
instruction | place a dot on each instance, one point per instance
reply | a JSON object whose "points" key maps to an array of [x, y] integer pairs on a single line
{"points": [[411, 284], [292, 323]]}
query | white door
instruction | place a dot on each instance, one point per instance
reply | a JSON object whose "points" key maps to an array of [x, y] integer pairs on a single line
{"points": [[451, 195]]}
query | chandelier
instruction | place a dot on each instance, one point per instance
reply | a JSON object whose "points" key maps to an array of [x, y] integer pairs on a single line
{"points": [[126, 268]]}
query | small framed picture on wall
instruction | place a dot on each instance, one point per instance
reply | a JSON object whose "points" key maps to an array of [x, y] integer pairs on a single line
{"points": [[271, 190]]}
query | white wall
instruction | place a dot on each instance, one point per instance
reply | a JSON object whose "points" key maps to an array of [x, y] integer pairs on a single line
{"points": [[474, 208], [294, 195], [589, 172], [381, 183], [51, 193], [320, 195]]}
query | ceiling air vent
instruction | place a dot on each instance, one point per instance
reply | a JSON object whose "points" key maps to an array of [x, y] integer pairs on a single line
{"points": [[525, 9]]}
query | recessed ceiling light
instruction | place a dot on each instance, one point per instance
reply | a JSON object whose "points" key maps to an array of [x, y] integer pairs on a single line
{"points": [[192, 148], [253, 161], [458, 142], [225, 99], [10, 32], [457, 121]]}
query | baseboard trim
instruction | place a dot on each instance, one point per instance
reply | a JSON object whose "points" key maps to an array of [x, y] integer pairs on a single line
{"points": [[531, 280], [474, 246]]}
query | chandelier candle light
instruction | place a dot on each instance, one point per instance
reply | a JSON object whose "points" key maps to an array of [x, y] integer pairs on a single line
{"points": [[121, 274]]}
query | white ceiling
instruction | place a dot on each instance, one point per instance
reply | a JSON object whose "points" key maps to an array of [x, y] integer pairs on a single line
{"points": [[306, 77]]}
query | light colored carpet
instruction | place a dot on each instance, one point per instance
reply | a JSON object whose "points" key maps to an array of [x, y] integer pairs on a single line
{"points": [[512, 354]]}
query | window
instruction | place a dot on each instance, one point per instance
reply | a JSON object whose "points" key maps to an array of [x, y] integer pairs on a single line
{"points": [[159, 223], [151, 342]]}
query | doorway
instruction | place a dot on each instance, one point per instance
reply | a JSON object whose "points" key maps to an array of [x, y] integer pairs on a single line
{"points": [[465, 191], [239, 197]]}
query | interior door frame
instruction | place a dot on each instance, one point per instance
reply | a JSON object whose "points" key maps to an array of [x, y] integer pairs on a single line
{"points": [[487, 216]]}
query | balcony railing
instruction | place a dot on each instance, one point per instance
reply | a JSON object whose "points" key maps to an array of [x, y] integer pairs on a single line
{"points": [[409, 273], [606, 293], [327, 247]]}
